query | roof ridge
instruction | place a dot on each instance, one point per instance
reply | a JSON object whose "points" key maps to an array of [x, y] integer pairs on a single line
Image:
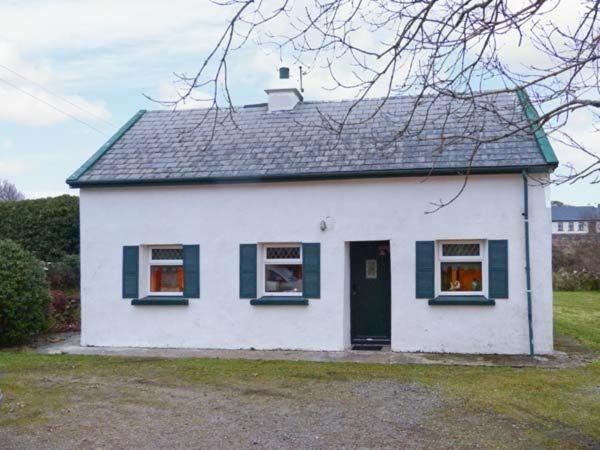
{"points": [[313, 102]]}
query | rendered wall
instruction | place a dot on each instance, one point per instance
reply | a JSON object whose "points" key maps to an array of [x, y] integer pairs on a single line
{"points": [[219, 218]]}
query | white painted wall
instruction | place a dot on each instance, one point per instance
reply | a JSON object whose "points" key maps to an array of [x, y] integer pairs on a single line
{"points": [[219, 218]]}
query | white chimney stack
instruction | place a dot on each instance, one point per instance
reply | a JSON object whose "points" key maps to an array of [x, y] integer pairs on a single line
{"points": [[283, 95]]}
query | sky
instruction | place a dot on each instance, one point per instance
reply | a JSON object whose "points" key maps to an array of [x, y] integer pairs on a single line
{"points": [[94, 61]]}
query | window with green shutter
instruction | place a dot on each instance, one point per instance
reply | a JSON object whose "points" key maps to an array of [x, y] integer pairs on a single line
{"points": [[280, 273], [461, 278]]}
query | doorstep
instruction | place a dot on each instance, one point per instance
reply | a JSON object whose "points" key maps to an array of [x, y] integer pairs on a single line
{"points": [[70, 345]]}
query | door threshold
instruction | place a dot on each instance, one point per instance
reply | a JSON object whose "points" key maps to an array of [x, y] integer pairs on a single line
{"points": [[370, 341], [372, 347]]}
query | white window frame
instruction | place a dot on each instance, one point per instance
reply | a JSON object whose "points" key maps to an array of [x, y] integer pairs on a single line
{"points": [[560, 227], [482, 258], [264, 261], [162, 262], [571, 226]]}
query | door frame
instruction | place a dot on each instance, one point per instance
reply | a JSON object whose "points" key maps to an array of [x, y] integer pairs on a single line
{"points": [[374, 340]]}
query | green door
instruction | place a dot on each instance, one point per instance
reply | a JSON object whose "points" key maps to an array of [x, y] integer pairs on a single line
{"points": [[370, 292]]}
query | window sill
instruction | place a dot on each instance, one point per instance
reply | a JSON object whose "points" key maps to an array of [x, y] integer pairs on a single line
{"points": [[165, 301], [283, 300], [462, 300]]}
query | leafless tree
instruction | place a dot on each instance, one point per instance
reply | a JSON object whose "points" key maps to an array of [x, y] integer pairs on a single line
{"points": [[9, 192], [434, 50]]}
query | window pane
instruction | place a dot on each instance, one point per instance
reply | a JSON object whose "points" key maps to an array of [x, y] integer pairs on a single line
{"points": [[461, 276], [460, 249], [581, 226], [167, 253], [283, 252], [166, 278], [571, 226], [283, 278]]}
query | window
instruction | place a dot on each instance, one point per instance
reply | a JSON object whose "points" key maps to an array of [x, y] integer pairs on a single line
{"points": [[561, 226], [580, 226], [282, 269], [166, 270], [571, 226], [461, 267]]}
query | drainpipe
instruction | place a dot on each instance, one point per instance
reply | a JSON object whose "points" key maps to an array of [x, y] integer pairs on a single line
{"points": [[527, 259]]}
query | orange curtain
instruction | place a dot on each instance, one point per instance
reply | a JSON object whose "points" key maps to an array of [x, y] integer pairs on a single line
{"points": [[156, 279], [180, 278]]}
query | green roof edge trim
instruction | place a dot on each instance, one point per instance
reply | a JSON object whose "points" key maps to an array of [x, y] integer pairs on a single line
{"points": [[311, 176], [538, 130], [106, 147]]}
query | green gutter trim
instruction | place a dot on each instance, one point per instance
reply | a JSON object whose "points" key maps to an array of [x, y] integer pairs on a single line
{"points": [[106, 147], [310, 176], [538, 130]]}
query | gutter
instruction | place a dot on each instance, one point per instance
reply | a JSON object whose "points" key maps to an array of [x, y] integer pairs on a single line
{"points": [[527, 261], [316, 176]]}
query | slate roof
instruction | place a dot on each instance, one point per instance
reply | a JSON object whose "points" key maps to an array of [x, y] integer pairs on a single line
{"points": [[172, 146], [575, 213]]}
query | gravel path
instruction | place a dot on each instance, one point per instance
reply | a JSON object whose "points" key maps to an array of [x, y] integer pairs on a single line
{"points": [[69, 344]]}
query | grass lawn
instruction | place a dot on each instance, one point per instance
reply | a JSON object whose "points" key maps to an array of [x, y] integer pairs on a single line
{"points": [[82, 401], [577, 315]]}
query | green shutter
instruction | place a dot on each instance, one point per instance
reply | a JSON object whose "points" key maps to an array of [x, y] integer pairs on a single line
{"points": [[498, 268], [311, 270], [248, 271], [191, 271], [131, 264], [425, 267]]}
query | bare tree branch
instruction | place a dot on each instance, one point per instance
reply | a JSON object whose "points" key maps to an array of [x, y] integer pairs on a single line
{"points": [[9, 192], [466, 52]]}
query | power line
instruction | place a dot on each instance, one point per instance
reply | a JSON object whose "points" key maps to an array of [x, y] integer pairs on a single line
{"points": [[56, 95], [52, 106]]}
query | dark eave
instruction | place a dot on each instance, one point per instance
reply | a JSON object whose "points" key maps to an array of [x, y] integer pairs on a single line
{"points": [[312, 176]]}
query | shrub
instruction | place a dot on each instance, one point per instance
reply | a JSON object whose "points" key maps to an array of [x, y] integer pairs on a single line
{"points": [[64, 312], [64, 274], [574, 280], [23, 294], [48, 227]]}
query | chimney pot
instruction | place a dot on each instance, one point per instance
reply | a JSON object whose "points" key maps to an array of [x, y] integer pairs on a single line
{"points": [[284, 73], [283, 95]]}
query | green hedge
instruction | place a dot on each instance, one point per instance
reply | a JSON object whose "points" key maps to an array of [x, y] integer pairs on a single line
{"points": [[23, 294], [48, 227]]}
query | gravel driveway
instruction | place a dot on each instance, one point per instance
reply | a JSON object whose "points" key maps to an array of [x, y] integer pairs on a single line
{"points": [[139, 413]]}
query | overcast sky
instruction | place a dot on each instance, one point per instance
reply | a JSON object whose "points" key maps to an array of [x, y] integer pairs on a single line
{"points": [[93, 60]]}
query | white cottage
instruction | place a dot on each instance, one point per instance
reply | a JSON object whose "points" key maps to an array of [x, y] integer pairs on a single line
{"points": [[273, 232]]}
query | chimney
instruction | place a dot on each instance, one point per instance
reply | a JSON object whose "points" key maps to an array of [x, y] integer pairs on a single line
{"points": [[283, 95]]}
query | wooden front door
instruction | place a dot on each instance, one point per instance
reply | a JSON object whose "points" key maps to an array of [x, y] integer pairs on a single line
{"points": [[370, 292]]}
